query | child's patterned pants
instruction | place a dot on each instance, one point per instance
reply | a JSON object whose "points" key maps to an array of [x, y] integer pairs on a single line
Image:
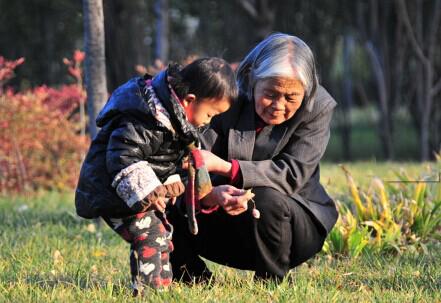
{"points": [[149, 235]]}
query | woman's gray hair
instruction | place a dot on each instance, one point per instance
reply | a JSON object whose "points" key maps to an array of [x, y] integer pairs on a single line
{"points": [[279, 55]]}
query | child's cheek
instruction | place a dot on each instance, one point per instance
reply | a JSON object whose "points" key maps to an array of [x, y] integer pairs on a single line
{"points": [[189, 116]]}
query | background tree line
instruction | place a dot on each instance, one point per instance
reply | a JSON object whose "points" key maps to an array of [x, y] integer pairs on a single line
{"points": [[381, 60]]}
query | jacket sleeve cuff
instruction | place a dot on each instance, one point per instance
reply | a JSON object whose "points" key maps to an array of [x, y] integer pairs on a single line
{"points": [[135, 182], [209, 210], [236, 174], [248, 173]]}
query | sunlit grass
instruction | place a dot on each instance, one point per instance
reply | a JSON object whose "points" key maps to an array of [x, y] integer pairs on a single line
{"points": [[48, 254]]}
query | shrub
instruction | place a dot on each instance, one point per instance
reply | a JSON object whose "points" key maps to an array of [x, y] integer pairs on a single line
{"points": [[39, 135]]}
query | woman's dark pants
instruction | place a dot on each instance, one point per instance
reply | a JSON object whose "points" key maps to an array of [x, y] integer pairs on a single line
{"points": [[285, 236]]}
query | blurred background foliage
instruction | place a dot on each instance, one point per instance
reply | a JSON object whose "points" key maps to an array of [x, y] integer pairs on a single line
{"points": [[381, 60]]}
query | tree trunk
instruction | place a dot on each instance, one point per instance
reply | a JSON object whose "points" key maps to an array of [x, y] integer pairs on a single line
{"points": [[427, 111], [95, 70], [383, 96], [424, 133], [127, 27], [375, 41], [347, 98], [425, 53], [398, 68], [162, 30]]}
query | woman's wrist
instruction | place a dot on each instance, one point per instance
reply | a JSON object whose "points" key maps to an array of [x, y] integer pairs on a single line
{"points": [[208, 205], [208, 202]]}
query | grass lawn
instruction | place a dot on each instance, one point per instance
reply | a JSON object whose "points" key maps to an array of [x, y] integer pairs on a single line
{"points": [[365, 143], [47, 254]]}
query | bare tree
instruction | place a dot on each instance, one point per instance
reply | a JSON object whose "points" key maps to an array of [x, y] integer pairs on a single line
{"points": [[377, 43], [424, 47], [96, 85]]}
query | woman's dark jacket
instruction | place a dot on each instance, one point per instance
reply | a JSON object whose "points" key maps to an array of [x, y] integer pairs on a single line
{"points": [[130, 134], [285, 157]]}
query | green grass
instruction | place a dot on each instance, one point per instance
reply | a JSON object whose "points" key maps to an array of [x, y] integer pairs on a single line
{"points": [[47, 254], [365, 143], [334, 180]]}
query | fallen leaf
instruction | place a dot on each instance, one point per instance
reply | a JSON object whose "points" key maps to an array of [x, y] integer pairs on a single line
{"points": [[58, 258], [94, 269], [91, 228], [99, 253]]}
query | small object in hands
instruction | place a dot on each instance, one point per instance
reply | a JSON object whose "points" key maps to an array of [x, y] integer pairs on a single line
{"points": [[254, 211], [198, 186]]}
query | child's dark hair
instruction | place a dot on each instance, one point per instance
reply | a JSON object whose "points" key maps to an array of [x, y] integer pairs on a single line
{"points": [[205, 78]]}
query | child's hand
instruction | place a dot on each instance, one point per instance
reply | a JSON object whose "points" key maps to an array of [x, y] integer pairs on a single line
{"points": [[185, 163], [156, 199], [174, 189]]}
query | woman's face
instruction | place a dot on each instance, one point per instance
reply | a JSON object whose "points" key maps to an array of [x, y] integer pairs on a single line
{"points": [[277, 99]]}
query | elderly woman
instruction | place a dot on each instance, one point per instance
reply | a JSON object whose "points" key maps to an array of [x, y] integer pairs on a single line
{"points": [[270, 141]]}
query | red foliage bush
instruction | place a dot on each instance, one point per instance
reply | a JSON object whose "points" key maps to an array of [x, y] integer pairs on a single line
{"points": [[41, 145], [7, 69]]}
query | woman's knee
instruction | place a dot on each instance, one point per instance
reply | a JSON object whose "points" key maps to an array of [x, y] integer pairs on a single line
{"points": [[274, 226], [290, 228], [308, 236]]}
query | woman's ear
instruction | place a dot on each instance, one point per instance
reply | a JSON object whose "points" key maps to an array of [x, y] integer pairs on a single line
{"points": [[189, 98]]}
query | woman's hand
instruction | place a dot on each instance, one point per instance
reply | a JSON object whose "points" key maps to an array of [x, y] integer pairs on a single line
{"points": [[231, 199], [213, 163]]}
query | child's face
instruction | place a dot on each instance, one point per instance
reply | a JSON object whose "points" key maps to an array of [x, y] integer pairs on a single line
{"points": [[201, 111]]}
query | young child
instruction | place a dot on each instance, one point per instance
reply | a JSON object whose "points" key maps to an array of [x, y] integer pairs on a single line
{"points": [[129, 173]]}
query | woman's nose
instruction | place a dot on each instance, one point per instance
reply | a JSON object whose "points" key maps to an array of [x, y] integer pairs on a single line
{"points": [[279, 104]]}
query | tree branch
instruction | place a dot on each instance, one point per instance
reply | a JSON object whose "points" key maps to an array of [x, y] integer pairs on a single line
{"points": [[436, 89], [249, 8], [408, 26], [434, 29]]}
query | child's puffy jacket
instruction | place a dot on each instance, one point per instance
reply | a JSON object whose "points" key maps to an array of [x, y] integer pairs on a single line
{"points": [[133, 152]]}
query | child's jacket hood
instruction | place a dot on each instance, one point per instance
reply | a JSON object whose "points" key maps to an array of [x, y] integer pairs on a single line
{"points": [[125, 100], [129, 99]]}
